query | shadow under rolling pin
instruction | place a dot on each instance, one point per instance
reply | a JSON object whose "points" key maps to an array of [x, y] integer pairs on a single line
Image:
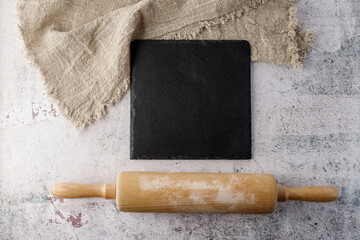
{"points": [[196, 192]]}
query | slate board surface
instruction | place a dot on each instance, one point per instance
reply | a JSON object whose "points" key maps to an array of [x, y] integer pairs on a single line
{"points": [[190, 99]]}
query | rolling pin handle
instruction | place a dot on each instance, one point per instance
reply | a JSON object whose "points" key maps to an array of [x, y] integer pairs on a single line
{"points": [[77, 190], [310, 194]]}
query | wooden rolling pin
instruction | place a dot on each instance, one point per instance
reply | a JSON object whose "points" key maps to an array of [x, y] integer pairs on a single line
{"points": [[195, 192]]}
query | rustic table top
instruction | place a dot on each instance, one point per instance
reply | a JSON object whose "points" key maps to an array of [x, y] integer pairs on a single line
{"points": [[306, 131]]}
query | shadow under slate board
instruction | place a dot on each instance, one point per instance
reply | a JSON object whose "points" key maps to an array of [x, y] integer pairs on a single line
{"points": [[190, 99]]}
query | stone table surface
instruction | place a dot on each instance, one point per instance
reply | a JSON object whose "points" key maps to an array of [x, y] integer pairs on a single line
{"points": [[306, 131]]}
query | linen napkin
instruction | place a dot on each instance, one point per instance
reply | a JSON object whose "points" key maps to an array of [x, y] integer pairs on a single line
{"points": [[82, 48]]}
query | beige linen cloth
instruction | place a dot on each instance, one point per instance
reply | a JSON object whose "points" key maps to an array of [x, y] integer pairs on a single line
{"points": [[82, 46]]}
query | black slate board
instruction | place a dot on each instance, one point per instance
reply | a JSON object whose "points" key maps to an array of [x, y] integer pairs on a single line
{"points": [[190, 99]]}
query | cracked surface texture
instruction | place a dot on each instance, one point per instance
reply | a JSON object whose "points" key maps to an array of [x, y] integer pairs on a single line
{"points": [[306, 131]]}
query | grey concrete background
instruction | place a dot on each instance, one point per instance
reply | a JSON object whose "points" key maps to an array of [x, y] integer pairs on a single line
{"points": [[306, 131]]}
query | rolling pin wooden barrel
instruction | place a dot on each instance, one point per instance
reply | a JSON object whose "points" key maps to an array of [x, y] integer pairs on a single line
{"points": [[196, 192]]}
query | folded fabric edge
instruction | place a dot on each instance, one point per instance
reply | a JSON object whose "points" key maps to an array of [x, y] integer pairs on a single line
{"points": [[208, 24]]}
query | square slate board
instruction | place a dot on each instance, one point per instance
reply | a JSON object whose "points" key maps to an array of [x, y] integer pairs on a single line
{"points": [[190, 99]]}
